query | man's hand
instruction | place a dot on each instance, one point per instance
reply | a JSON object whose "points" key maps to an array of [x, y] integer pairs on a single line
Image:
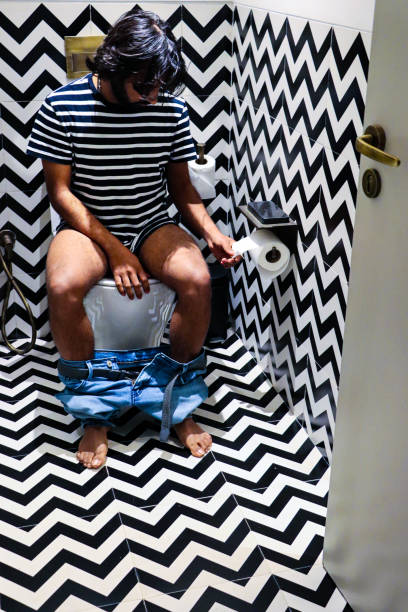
{"points": [[220, 246], [128, 273]]}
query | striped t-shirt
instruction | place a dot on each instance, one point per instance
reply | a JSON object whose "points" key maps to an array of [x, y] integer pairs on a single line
{"points": [[118, 153]]}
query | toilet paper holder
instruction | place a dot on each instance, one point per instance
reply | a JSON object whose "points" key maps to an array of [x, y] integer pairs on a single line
{"points": [[267, 214]]}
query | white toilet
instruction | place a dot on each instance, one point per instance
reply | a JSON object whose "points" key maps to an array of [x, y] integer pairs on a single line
{"points": [[119, 323]]}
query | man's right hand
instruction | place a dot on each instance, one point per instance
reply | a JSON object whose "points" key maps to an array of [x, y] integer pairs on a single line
{"points": [[128, 273]]}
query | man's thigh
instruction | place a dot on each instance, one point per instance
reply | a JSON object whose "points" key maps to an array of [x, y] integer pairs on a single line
{"points": [[171, 255], [74, 260]]}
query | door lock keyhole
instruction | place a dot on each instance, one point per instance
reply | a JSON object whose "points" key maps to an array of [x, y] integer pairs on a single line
{"points": [[371, 183]]}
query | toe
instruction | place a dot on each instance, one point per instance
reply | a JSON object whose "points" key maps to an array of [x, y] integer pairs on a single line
{"points": [[98, 460], [197, 450], [84, 457], [207, 442]]}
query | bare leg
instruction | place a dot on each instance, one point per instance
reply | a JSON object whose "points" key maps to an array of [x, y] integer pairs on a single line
{"points": [[74, 265], [172, 256]]}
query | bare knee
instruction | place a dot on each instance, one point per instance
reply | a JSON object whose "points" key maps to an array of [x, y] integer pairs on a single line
{"points": [[63, 289], [196, 286], [74, 264]]}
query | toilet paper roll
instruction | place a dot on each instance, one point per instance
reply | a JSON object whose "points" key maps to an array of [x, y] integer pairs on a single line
{"points": [[265, 250], [203, 177]]}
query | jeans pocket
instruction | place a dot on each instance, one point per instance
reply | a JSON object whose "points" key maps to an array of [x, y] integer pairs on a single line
{"points": [[72, 383]]}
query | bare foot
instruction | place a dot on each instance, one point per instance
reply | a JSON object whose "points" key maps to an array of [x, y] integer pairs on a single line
{"points": [[193, 437], [93, 447]]}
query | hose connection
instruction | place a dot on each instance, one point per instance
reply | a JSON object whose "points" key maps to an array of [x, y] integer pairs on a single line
{"points": [[7, 241]]}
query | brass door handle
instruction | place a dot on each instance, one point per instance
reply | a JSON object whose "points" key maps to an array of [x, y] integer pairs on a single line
{"points": [[372, 144]]}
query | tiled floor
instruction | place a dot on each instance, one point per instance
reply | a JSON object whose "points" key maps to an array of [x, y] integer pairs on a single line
{"points": [[156, 528]]}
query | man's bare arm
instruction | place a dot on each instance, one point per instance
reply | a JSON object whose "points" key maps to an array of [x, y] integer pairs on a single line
{"points": [[195, 215], [71, 209], [126, 267]]}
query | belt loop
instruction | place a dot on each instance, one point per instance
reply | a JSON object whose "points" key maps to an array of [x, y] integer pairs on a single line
{"points": [[90, 369]]}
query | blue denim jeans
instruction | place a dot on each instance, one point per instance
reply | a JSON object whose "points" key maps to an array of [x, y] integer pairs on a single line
{"points": [[99, 389]]}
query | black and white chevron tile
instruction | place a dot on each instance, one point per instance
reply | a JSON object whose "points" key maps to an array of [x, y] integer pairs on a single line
{"points": [[298, 94], [156, 528]]}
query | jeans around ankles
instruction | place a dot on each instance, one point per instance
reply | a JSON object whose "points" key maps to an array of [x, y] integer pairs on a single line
{"points": [[99, 389]]}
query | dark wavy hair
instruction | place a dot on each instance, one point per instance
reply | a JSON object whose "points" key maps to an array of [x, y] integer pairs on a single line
{"points": [[143, 45]]}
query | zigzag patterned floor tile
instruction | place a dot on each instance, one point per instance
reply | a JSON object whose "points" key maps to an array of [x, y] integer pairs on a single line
{"points": [[156, 528], [256, 593], [287, 520], [311, 590], [66, 556], [182, 546]]}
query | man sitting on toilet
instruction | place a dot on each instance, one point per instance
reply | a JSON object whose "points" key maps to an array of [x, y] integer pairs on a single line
{"points": [[111, 142]]}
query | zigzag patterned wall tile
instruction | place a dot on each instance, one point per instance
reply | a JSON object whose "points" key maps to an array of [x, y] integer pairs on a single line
{"points": [[32, 227], [207, 48], [347, 87], [210, 122], [321, 401], [251, 315], [259, 52], [306, 72], [255, 153], [27, 214], [32, 57], [301, 174], [20, 171], [266, 332], [327, 323], [291, 307], [317, 187], [242, 38], [319, 413], [104, 14], [337, 208]]}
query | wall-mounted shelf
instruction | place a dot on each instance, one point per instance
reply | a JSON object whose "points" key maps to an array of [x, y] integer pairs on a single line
{"points": [[259, 224], [284, 228]]}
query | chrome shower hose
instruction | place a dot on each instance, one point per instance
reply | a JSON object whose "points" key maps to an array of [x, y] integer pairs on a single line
{"points": [[7, 239]]}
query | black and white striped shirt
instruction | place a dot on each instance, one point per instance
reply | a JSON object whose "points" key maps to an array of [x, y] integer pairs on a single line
{"points": [[118, 153]]}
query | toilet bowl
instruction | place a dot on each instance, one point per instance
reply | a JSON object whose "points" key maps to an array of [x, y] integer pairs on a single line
{"points": [[119, 323]]}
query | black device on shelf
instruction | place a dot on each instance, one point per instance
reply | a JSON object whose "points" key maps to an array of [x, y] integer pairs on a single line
{"points": [[268, 212]]}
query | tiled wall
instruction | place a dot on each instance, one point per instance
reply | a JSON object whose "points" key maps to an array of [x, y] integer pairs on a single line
{"points": [[32, 63], [298, 103]]}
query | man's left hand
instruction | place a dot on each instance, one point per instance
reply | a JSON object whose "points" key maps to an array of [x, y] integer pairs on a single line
{"points": [[220, 246]]}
